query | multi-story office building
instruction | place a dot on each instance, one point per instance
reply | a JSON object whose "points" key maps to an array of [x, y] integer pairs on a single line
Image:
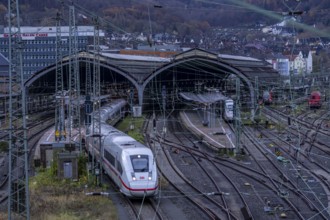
{"points": [[39, 45]]}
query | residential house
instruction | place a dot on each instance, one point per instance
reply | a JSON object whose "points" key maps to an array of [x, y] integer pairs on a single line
{"points": [[280, 63], [308, 56], [298, 64], [301, 63]]}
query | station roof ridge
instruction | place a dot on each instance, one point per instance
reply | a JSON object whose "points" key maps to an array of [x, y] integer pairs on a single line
{"points": [[142, 67], [136, 57], [185, 54]]}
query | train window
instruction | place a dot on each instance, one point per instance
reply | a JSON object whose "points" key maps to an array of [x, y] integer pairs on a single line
{"points": [[140, 163], [119, 168], [109, 157]]}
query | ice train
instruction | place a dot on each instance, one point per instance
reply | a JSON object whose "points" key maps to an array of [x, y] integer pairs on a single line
{"points": [[130, 164], [228, 112]]}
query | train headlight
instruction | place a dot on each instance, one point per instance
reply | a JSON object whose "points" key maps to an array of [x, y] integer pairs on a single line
{"points": [[150, 175], [133, 176]]}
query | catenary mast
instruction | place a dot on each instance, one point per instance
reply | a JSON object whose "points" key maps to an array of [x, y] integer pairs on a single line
{"points": [[96, 80], [60, 133], [96, 98], [74, 80], [18, 192]]}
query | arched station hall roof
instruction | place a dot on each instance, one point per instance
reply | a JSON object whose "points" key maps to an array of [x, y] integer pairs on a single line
{"points": [[141, 69]]}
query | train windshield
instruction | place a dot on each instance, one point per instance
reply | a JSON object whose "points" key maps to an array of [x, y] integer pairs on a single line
{"points": [[140, 163], [229, 107]]}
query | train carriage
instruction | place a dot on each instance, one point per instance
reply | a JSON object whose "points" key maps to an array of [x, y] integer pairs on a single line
{"points": [[129, 163]]}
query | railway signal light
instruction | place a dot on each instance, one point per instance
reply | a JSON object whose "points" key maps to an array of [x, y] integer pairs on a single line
{"points": [[278, 151]]}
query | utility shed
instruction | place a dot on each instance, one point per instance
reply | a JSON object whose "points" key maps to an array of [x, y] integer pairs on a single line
{"points": [[67, 165]]}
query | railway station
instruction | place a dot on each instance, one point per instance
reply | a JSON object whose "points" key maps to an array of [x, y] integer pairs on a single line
{"points": [[145, 76], [138, 79], [170, 132], [194, 84], [186, 91]]}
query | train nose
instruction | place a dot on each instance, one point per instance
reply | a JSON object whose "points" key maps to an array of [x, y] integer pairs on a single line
{"points": [[143, 191], [141, 185], [143, 188]]}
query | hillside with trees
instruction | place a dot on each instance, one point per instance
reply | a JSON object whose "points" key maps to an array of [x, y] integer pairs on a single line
{"points": [[184, 17]]}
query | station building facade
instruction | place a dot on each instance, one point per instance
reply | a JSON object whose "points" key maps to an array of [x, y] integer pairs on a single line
{"points": [[39, 45]]}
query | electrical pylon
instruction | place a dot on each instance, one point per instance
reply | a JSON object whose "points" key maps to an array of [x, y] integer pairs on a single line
{"points": [[18, 192]]}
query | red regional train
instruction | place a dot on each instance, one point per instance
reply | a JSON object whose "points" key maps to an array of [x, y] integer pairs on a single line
{"points": [[314, 100]]}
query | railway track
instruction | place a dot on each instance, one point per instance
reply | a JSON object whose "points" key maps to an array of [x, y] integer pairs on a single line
{"points": [[169, 146], [312, 124], [35, 131], [288, 173], [180, 183], [214, 174], [260, 180], [313, 164], [305, 140], [146, 209]]}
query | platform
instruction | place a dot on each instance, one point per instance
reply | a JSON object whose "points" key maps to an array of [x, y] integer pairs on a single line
{"points": [[47, 143], [218, 136], [206, 98]]}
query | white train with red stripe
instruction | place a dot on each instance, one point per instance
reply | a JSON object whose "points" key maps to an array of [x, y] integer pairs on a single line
{"points": [[129, 163]]}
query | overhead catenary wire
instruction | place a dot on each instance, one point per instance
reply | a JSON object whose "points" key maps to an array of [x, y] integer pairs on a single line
{"points": [[92, 15], [271, 14], [166, 5]]}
